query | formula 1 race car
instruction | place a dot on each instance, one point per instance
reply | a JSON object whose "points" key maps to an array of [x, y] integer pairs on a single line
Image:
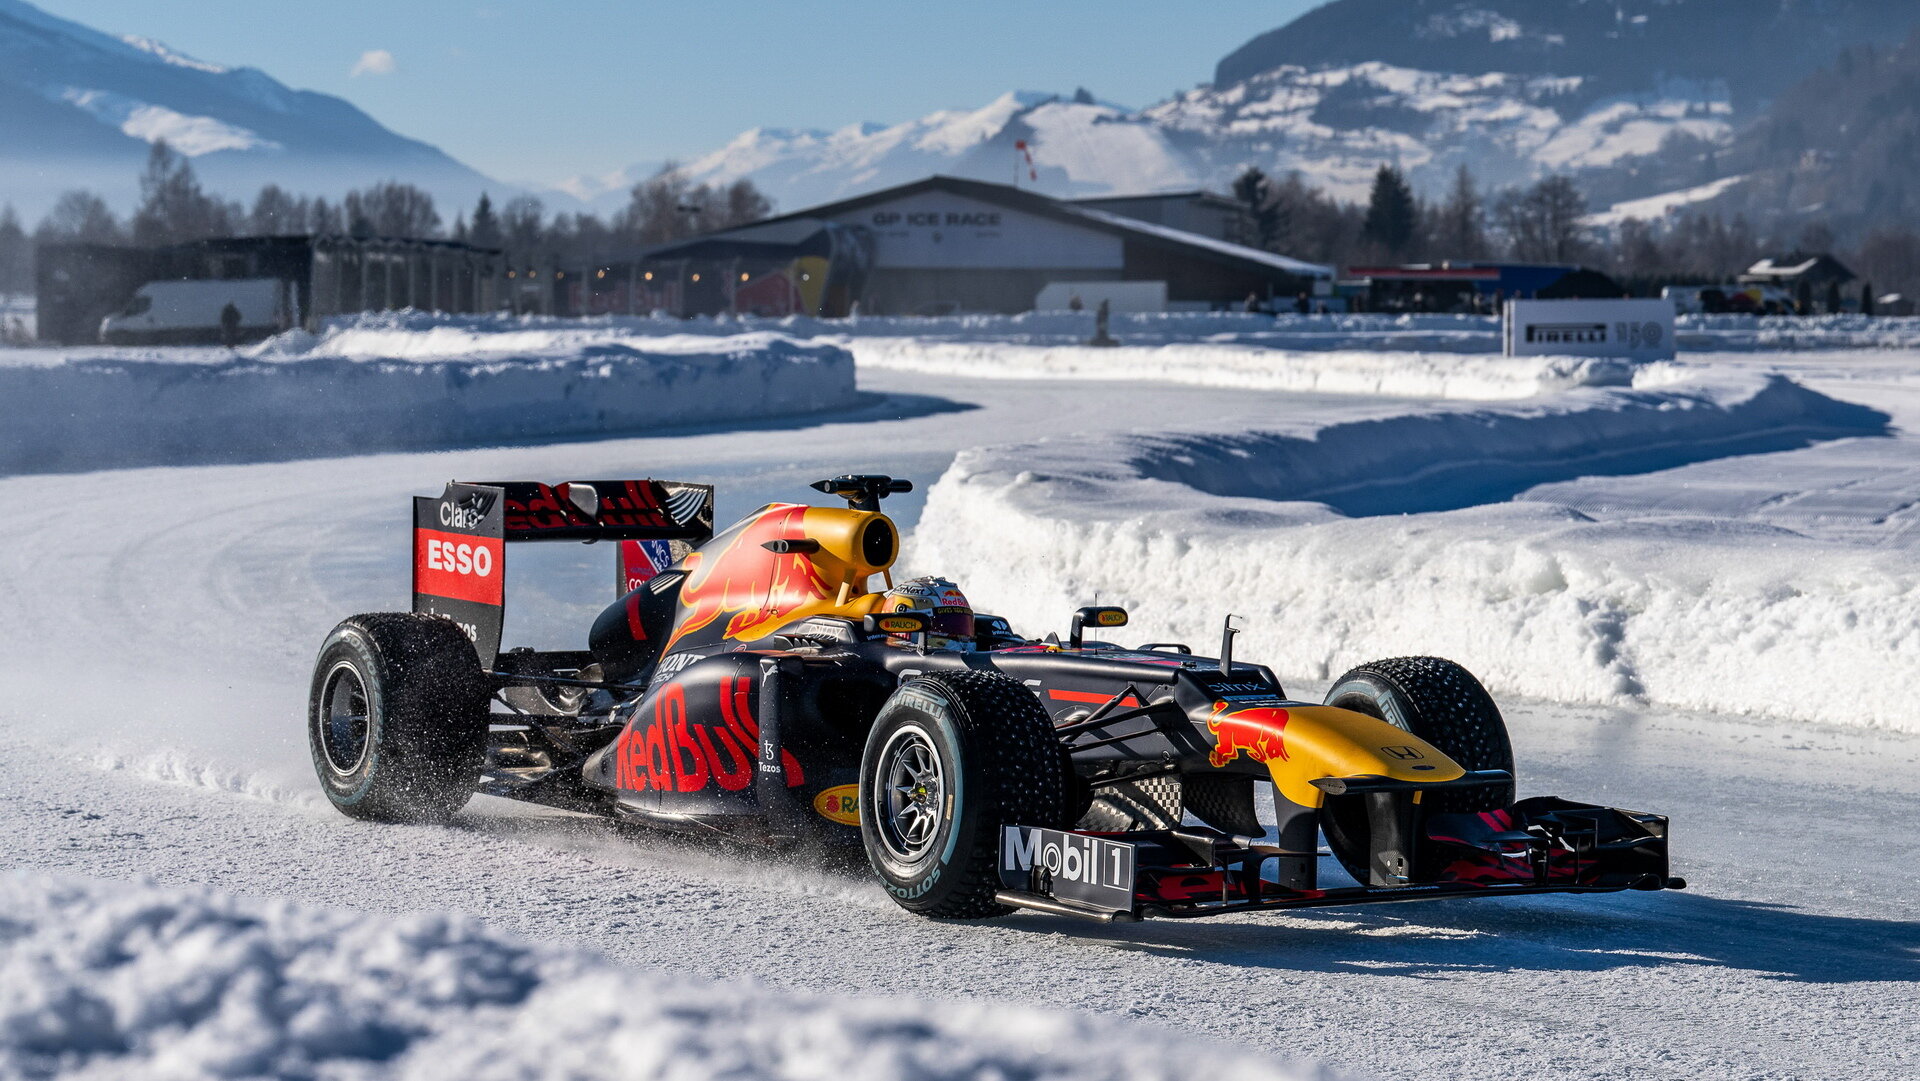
{"points": [[754, 684]]}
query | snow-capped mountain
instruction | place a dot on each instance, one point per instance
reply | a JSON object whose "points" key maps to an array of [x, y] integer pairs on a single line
{"points": [[1089, 144], [79, 108], [1512, 88]]}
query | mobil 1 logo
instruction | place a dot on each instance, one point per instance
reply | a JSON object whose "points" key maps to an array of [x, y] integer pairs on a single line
{"points": [[1070, 866]]}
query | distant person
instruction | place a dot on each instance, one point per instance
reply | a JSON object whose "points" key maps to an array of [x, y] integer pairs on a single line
{"points": [[1075, 304], [229, 325], [1253, 302], [1301, 304], [1100, 335]]}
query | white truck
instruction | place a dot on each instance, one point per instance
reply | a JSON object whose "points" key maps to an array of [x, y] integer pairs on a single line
{"points": [[189, 312]]}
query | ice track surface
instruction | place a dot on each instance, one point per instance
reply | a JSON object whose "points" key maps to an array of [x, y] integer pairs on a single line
{"points": [[161, 623]]}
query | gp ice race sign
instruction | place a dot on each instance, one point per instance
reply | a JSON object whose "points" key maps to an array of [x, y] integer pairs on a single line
{"points": [[1070, 866], [1629, 329]]}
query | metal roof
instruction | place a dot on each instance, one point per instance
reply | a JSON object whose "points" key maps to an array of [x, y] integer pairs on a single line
{"points": [[1045, 206]]}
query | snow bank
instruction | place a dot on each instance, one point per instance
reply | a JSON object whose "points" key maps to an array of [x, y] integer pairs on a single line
{"points": [[17, 321], [1389, 374], [372, 387], [1473, 334], [1744, 333], [100, 979], [1538, 599]]}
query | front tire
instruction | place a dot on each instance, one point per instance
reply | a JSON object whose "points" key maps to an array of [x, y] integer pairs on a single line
{"points": [[1443, 704], [397, 717], [951, 758]]}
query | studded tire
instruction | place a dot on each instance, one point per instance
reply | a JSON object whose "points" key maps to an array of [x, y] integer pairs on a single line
{"points": [[397, 717], [989, 746], [1442, 703]]}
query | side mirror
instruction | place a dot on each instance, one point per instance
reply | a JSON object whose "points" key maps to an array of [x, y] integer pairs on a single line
{"points": [[1095, 617]]}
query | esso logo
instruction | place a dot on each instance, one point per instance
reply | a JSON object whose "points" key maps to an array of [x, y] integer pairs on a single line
{"points": [[457, 517], [473, 559]]}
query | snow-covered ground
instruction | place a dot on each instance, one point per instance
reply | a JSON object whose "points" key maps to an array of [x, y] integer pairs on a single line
{"points": [[1387, 374], [373, 384], [1314, 532], [17, 318], [424, 335], [158, 642], [138, 981]]}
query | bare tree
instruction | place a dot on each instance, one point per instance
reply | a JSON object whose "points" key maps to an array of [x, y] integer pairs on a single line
{"points": [[1543, 223], [1460, 223], [276, 213], [523, 224], [80, 217], [173, 207], [661, 209], [324, 218], [667, 207], [391, 208], [745, 203]]}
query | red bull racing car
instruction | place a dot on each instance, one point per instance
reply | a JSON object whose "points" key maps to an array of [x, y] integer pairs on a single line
{"points": [[773, 684]]}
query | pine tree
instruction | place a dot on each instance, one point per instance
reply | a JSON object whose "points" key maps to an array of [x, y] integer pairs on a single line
{"points": [[16, 254], [1253, 188], [1392, 215], [484, 232]]}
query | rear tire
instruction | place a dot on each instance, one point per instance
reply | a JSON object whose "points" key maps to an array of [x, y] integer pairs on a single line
{"points": [[1443, 704], [397, 717], [951, 758]]}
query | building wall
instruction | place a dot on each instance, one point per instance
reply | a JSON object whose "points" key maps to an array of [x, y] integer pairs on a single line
{"points": [[942, 291], [936, 230]]}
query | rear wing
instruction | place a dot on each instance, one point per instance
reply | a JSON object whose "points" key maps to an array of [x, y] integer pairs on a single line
{"points": [[460, 539]]}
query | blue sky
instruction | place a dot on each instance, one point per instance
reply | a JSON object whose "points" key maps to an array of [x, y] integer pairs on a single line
{"points": [[541, 92]]}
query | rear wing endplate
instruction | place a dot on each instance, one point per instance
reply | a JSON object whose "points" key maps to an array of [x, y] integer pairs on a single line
{"points": [[460, 538]]}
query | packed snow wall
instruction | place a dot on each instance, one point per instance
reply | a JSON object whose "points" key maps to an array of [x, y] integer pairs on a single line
{"points": [[130, 980], [1345, 542], [1383, 373], [372, 390]]}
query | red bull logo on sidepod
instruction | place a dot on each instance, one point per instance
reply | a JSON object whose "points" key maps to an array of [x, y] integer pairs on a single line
{"points": [[1256, 730]]}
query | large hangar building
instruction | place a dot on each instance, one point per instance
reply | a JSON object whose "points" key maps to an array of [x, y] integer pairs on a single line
{"points": [[946, 244]]}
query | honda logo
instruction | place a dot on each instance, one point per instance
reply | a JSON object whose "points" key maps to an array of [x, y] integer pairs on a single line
{"points": [[1405, 754]]}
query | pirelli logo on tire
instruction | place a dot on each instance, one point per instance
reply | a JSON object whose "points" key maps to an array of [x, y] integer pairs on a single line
{"points": [[1078, 867]]}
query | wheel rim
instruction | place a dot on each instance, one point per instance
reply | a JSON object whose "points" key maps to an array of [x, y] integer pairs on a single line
{"points": [[344, 720], [911, 795]]}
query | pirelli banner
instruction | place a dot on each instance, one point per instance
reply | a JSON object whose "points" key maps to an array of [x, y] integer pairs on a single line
{"points": [[1629, 329], [460, 538]]}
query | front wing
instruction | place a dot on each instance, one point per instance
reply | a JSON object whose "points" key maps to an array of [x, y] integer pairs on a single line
{"points": [[1542, 845]]}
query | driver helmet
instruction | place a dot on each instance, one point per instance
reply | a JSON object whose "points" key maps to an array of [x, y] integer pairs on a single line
{"points": [[950, 622]]}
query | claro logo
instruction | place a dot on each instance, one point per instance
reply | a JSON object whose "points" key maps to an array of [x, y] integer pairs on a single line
{"points": [[455, 516], [459, 557]]}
